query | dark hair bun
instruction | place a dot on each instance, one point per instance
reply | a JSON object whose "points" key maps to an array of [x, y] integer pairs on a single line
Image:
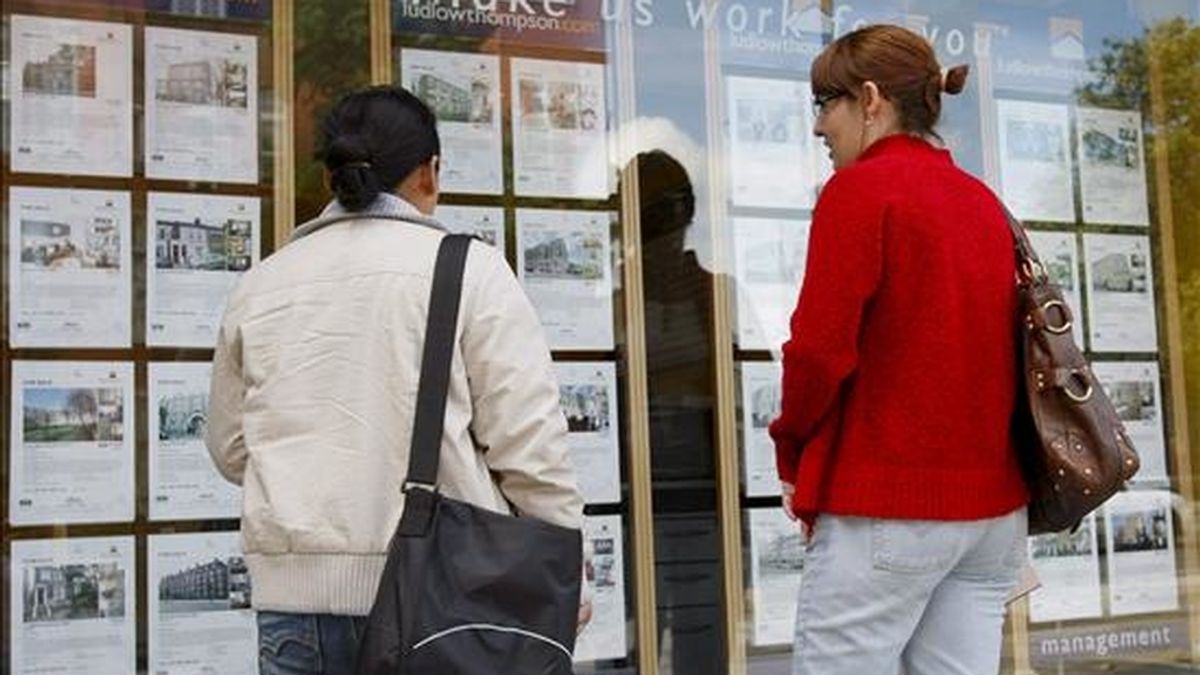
{"points": [[351, 177], [955, 79]]}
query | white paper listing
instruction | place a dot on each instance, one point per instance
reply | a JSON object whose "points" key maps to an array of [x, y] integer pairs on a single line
{"points": [[604, 636], [588, 393], [463, 90], [1035, 160], [777, 563], [564, 260], [73, 606], [201, 245], [1112, 166], [201, 105], [71, 96], [1068, 565], [184, 483], [560, 144], [200, 616], [71, 457], [760, 405], [70, 268], [1141, 553], [1135, 390], [1120, 283], [772, 147]]}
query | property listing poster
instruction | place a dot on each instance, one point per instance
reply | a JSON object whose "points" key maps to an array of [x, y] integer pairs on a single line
{"points": [[71, 458], [776, 564], [72, 606], [588, 392], [760, 405], [564, 260], [1120, 284], [70, 268], [71, 96], [1059, 254], [1035, 160], [560, 145], [198, 248], [463, 90], [1135, 390], [199, 598], [1112, 166], [769, 259], [773, 162], [485, 222], [1068, 565], [201, 105], [184, 483], [1141, 553], [604, 636]]}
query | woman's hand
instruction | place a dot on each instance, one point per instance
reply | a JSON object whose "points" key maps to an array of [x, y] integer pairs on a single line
{"points": [[789, 491]]}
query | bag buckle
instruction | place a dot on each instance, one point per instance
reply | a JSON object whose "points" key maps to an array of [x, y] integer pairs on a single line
{"points": [[1067, 319], [417, 485]]}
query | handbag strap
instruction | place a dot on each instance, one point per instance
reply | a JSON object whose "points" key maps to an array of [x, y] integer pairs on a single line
{"points": [[445, 295], [1029, 266]]}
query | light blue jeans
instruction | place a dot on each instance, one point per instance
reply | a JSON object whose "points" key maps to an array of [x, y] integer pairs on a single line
{"points": [[308, 644], [878, 595]]}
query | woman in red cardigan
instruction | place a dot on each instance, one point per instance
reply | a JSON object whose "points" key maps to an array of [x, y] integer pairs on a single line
{"points": [[899, 382]]}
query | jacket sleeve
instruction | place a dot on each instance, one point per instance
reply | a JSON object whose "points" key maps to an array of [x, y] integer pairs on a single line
{"points": [[843, 271], [223, 435], [516, 416]]}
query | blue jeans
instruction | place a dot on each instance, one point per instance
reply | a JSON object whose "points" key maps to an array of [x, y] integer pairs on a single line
{"points": [[928, 596], [308, 644]]}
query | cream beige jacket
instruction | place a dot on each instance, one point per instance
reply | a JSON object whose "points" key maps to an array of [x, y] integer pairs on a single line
{"points": [[313, 391]]}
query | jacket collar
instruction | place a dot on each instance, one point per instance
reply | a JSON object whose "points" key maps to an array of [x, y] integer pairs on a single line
{"points": [[902, 143], [385, 207]]}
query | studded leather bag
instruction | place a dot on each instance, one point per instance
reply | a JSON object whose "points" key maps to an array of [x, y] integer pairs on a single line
{"points": [[1074, 449]]}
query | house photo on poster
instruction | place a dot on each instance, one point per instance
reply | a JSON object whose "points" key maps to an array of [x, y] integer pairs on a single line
{"points": [[71, 96], [71, 456], [1068, 565], [463, 90], [603, 638], [72, 606], [184, 483], [773, 160], [199, 594], [201, 105], [560, 122], [1035, 160], [760, 405], [1120, 284], [200, 245], [70, 268], [1139, 526], [588, 394], [564, 261]]}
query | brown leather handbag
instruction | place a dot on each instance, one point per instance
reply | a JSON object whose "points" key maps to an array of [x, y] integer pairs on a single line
{"points": [[1074, 449]]}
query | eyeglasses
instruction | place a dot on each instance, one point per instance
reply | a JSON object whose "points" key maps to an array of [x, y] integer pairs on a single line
{"points": [[821, 102]]}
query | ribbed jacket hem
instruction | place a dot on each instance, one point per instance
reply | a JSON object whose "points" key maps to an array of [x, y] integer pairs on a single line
{"points": [[315, 583]]}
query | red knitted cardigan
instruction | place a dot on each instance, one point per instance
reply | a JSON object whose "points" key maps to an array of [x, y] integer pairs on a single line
{"points": [[900, 376]]}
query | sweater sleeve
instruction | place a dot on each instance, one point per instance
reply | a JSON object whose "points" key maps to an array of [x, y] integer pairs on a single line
{"points": [[843, 270], [517, 418]]}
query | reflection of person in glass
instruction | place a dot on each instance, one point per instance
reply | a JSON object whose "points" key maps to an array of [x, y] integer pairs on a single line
{"points": [[680, 381], [899, 382]]}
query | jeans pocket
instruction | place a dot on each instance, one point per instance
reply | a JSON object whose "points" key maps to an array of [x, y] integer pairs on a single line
{"points": [[288, 644], [913, 546]]}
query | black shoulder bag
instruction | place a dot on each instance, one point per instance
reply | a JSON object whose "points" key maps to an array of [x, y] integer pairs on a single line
{"points": [[467, 591]]}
